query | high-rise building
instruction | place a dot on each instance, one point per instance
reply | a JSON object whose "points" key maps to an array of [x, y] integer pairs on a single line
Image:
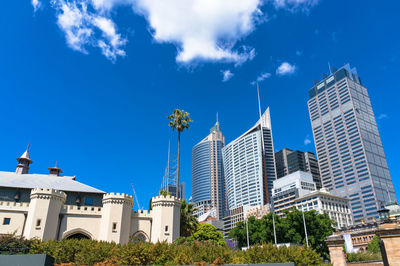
{"points": [[208, 186], [249, 166], [288, 161], [349, 148]]}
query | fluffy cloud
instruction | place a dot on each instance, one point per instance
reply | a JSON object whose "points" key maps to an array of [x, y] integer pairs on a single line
{"points": [[83, 28], [226, 75], [202, 29], [36, 5], [295, 5], [307, 140], [382, 116], [285, 69]]}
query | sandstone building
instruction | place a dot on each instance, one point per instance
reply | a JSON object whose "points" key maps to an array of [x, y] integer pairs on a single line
{"points": [[55, 207]]}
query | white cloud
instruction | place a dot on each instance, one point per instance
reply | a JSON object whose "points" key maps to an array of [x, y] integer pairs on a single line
{"points": [[36, 5], [226, 75], [307, 140], [285, 69], [263, 76], [382, 116], [295, 5], [83, 28], [202, 29]]}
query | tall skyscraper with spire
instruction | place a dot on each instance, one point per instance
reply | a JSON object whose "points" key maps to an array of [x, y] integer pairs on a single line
{"points": [[249, 166], [208, 186], [349, 148]]}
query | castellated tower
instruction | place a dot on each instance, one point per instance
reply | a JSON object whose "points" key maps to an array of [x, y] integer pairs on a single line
{"points": [[166, 218], [116, 218], [43, 215]]}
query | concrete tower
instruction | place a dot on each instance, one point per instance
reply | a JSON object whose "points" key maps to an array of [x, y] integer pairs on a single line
{"points": [[166, 218], [23, 162], [43, 215]]}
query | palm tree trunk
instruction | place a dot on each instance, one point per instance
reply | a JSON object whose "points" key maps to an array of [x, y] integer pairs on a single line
{"points": [[179, 157]]}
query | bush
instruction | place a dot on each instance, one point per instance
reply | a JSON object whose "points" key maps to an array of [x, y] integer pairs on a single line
{"points": [[12, 244], [363, 256], [183, 251]]}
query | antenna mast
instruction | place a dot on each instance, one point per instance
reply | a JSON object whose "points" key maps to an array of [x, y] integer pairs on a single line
{"points": [[136, 198]]}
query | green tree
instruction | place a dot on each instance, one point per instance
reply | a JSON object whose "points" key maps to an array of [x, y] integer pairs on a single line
{"points": [[206, 232], [289, 229], [373, 246], [319, 227], [189, 221], [179, 120]]}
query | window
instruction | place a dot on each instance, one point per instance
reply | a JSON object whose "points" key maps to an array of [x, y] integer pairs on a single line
{"points": [[166, 228], [88, 201], [38, 222], [6, 221], [114, 227]]}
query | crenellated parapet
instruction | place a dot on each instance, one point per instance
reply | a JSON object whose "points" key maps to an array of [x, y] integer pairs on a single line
{"points": [[118, 198], [49, 194], [142, 214], [165, 201]]}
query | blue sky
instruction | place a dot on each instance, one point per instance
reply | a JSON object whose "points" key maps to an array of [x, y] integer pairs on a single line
{"points": [[89, 83]]}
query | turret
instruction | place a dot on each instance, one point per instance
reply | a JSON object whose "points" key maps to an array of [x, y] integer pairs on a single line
{"points": [[23, 162], [166, 218], [43, 215], [116, 218]]}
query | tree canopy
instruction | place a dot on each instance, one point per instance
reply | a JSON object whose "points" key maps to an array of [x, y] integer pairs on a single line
{"points": [[189, 221], [289, 229], [208, 232]]}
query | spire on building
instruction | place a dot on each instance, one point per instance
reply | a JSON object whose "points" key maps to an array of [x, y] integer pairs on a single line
{"points": [[55, 170], [23, 162], [216, 127]]}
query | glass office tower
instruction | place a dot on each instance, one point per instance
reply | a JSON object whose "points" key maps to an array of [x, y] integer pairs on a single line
{"points": [[208, 186], [349, 149], [249, 166]]}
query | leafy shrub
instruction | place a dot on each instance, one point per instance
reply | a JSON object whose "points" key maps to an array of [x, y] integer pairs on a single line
{"points": [[12, 244], [363, 256], [183, 251]]}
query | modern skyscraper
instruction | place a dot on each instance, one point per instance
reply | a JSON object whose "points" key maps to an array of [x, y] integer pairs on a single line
{"points": [[348, 144], [208, 186], [288, 161], [249, 166]]}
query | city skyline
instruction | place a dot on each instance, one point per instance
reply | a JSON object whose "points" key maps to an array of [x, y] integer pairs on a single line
{"points": [[104, 121]]}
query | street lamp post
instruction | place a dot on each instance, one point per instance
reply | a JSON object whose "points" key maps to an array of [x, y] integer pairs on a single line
{"points": [[247, 233], [305, 228]]}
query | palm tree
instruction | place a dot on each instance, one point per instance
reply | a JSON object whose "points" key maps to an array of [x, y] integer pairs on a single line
{"points": [[189, 221], [179, 121]]}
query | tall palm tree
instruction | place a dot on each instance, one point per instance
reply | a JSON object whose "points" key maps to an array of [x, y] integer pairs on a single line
{"points": [[179, 120]]}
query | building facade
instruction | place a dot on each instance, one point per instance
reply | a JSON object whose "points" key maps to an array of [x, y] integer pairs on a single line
{"points": [[55, 207], [324, 202], [349, 148], [249, 166], [289, 188], [208, 184], [288, 161]]}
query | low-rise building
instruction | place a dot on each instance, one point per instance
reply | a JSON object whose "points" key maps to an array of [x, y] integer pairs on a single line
{"points": [[55, 207], [258, 211], [289, 188], [324, 202]]}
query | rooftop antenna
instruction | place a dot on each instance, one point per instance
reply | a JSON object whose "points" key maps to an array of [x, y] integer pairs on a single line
{"points": [[217, 117], [259, 104], [136, 198]]}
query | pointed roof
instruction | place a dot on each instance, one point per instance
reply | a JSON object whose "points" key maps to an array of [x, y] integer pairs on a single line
{"points": [[25, 155]]}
